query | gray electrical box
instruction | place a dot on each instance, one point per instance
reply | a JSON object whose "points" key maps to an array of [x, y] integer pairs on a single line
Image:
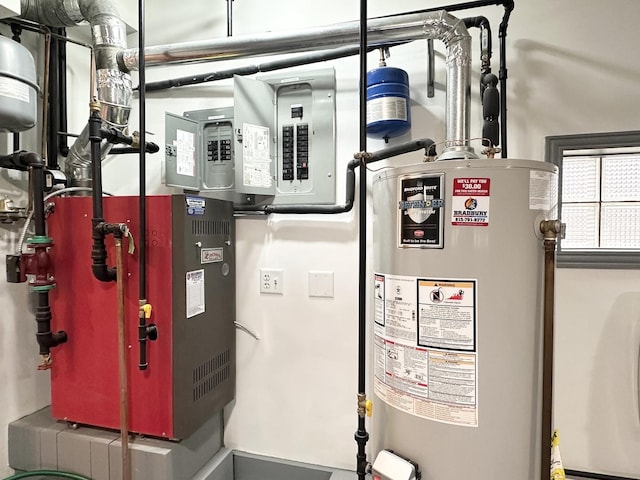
{"points": [[285, 134], [199, 150], [275, 146]]}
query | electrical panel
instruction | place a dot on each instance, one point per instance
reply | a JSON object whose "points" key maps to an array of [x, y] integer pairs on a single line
{"points": [[275, 146], [199, 152], [296, 111]]}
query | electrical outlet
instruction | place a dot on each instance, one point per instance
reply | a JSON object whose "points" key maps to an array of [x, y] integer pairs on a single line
{"points": [[271, 281]]}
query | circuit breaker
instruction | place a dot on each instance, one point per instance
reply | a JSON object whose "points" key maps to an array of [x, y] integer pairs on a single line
{"points": [[285, 136], [199, 150], [276, 145]]}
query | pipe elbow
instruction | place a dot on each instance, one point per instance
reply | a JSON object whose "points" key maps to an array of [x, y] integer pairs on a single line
{"points": [[104, 273]]}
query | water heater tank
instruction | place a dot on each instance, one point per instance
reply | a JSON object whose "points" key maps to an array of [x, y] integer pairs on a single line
{"points": [[457, 327], [388, 111], [18, 87]]}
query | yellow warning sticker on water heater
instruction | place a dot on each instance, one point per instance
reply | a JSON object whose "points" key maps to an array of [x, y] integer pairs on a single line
{"points": [[425, 347]]}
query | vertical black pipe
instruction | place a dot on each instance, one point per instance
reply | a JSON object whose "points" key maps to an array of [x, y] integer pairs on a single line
{"points": [[37, 175], [53, 112], [142, 234], [95, 123], [63, 145], [229, 18], [16, 30], [502, 33], [361, 435]]}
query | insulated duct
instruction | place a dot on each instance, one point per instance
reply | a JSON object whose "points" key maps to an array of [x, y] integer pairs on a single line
{"points": [[435, 25], [114, 88]]}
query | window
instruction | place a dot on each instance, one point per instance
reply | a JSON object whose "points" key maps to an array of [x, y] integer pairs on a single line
{"points": [[599, 198]]}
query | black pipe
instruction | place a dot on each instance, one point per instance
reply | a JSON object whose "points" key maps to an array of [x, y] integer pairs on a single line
{"points": [[302, 209], [99, 250], [362, 436], [63, 145], [53, 105], [502, 34], [144, 331], [229, 18], [151, 148], [17, 31], [340, 52], [45, 337], [31, 161], [452, 8], [597, 476], [412, 146], [426, 143], [485, 45], [115, 136]]}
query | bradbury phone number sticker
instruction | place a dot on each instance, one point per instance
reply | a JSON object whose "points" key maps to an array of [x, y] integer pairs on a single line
{"points": [[470, 202]]}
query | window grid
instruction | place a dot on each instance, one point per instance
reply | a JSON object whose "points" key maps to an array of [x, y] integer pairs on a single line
{"points": [[612, 182], [599, 198]]}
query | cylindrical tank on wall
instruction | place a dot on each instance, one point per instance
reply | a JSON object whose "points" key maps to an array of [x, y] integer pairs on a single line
{"points": [[388, 112], [18, 87], [457, 327]]}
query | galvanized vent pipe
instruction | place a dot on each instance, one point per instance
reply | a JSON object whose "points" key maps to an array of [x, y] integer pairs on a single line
{"points": [[380, 31], [108, 33]]}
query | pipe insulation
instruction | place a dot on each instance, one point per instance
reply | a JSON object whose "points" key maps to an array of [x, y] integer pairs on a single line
{"points": [[114, 87], [438, 25]]}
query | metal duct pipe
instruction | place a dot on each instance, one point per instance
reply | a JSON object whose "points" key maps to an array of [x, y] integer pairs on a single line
{"points": [[437, 25], [114, 87]]}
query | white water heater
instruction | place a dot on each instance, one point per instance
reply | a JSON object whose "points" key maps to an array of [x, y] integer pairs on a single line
{"points": [[456, 332]]}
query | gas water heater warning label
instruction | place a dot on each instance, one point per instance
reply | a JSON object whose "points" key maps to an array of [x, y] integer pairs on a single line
{"points": [[470, 201], [425, 348]]}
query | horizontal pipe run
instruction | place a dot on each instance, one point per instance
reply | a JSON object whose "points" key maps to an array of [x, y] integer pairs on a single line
{"points": [[289, 62], [437, 25], [412, 146], [307, 209]]}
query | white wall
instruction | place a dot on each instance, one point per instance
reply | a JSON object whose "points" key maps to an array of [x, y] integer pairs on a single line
{"points": [[572, 69]]}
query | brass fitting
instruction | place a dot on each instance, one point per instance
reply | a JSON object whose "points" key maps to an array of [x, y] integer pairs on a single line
{"points": [[94, 105], [46, 362], [362, 404], [550, 229]]}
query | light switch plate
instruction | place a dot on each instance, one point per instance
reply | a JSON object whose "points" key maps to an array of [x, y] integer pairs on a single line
{"points": [[321, 284]]}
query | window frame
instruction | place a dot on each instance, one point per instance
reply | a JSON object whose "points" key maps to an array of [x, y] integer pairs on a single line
{"points": [[555, 147]]}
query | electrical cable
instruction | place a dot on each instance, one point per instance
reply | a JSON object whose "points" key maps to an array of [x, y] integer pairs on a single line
{"points": [[47, 473]]}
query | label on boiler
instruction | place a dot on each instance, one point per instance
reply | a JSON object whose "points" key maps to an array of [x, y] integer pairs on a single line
{"points": [[211, 255]]}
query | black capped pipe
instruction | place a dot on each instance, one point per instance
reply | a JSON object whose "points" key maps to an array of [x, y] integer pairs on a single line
{"points": [[502, 34]]}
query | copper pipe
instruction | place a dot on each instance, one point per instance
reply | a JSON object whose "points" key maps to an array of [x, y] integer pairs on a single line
{"points": [[122, 364], [550, 229]]}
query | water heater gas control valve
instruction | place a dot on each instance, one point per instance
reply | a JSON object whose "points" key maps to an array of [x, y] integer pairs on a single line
{"points": [[389, 466]]}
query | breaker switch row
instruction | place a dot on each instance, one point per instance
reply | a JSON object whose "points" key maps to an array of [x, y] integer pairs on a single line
{"points": [[302, 151], [218, 150], [287, 152]]}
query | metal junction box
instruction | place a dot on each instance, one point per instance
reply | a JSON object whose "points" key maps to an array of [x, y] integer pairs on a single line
{"points": [[191, 287], [275, 146], [285, 136], [199, 151]]}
